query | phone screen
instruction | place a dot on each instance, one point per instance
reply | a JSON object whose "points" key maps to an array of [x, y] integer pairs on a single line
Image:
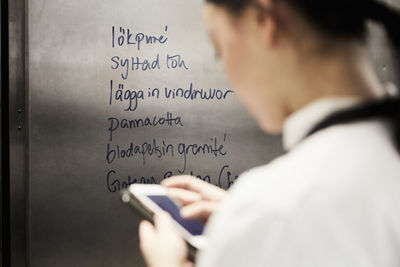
{"points": [[194, 227]]}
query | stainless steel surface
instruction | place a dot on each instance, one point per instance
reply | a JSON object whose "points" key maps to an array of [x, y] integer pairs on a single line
{"points": [[382, 55], [1, 141], [18, 89], [74, 219]]}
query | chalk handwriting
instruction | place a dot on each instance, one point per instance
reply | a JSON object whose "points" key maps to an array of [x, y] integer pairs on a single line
{"points": [[225, 177], [132, 97], [122, 94], [192, 94], [124, 36], [134, 64], [144, 60], [168, 119], [126, 65], [176, 61], [115, 183], [161, 149]]}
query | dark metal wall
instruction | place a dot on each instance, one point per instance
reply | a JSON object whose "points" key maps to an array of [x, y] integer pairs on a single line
{"points": [[4, 143], [62, 213], [76, 217], [2, 212], [17, 40]]}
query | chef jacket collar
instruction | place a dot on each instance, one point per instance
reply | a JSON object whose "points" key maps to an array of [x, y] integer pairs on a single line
{"points": [[299, 124]]}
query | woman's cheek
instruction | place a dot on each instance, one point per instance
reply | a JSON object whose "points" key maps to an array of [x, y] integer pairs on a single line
{"points": [[235, 73]]}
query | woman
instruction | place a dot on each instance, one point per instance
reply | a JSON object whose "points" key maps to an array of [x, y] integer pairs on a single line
{"points": [[302, 69]]}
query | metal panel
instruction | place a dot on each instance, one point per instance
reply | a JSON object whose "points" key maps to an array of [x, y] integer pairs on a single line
{"points": [[17, 78], [383, 56], [3, 74], [5, 168], [1, 142], [75, 219]]}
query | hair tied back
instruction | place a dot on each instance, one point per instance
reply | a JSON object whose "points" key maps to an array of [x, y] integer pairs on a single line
{"points": [[390, 17]]}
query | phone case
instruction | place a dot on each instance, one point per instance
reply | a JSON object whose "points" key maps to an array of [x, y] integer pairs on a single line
{"points": [[145, 213]]}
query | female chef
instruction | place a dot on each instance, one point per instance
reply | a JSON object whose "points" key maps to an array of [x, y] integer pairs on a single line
{"points": [[301, 68]]}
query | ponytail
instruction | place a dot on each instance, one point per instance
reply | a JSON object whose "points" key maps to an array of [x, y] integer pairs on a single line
{"points": [[342, 19], [390, 18]]}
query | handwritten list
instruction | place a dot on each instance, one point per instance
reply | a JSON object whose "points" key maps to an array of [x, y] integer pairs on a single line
{"points": [[130, 102]]}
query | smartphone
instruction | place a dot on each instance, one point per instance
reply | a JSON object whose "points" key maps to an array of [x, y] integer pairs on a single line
{"points": [[151, 199]]}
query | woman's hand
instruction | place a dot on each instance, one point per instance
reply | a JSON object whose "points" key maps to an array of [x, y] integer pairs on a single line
{"points": [[161, 244], [199, 199]]}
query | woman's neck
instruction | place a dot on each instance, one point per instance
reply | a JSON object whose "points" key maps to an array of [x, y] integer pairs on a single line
{"points": [[343, 72]]}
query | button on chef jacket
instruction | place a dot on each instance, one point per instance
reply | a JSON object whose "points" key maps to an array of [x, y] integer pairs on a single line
{"points": [[332, 200]]}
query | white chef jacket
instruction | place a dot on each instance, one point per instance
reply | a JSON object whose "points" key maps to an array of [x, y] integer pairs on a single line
{"points": [[332, 200]]}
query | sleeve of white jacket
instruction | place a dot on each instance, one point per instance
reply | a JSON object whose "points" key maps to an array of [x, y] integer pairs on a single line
{"points": [[246, 241], [315, 233]]}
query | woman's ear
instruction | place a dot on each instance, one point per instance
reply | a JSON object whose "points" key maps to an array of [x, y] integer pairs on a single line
{"points": [[269, 30], [268, 21]]}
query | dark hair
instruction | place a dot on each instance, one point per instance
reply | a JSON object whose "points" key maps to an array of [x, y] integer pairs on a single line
{"points": [[339, 18], [344, 19]]}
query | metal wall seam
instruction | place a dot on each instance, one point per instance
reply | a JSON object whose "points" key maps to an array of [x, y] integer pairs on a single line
{"points": [[27, 136], [18, 133], [5, 182]]}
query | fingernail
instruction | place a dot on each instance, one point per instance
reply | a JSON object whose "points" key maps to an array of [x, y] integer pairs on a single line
{"points": [[184, 212], [143, 226]]}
